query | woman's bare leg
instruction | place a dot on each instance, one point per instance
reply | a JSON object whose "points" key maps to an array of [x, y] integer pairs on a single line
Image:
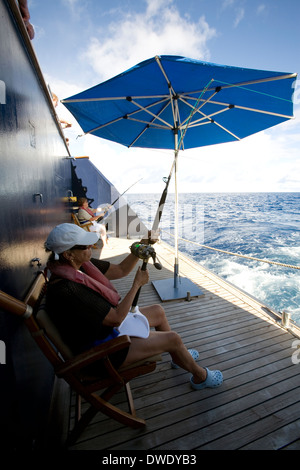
{"points": [[164, 341], [156, 317]]}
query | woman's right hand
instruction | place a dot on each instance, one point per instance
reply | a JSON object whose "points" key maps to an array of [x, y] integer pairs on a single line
{"points": [[141, 277], [117, 314]]}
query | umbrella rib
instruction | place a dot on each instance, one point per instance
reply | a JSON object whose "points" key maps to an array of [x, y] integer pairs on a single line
{"points": [[172, 94], [249, 82], [164, 74], [127, 116], [142, 108], [209, 116], [103, 125], [198, 123], [259, 80], [150, 124], [226, 130], [271, 113], [228, 105], [109, 98], [145, 108]]}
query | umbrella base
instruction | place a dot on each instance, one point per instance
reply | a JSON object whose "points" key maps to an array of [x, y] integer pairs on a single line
{"points": [[185, 289]]}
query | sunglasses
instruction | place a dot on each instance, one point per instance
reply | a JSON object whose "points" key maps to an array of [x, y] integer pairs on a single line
{"points": [[80, 247]]}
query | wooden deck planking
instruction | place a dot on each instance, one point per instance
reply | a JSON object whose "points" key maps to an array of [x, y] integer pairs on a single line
{"points": [[258, 405]]}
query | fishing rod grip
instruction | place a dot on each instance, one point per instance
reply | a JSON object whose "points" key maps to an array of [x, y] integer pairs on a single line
{"points": [[136, 298]]}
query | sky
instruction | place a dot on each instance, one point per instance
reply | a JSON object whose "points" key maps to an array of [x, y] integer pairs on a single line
{"points": [[80, 43]]}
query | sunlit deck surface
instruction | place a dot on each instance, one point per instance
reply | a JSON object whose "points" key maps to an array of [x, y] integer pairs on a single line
{"points": [[258, 405]]}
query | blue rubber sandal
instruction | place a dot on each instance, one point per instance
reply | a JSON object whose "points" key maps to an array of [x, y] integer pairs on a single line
{"points": [[192, 352], [214, 379]]}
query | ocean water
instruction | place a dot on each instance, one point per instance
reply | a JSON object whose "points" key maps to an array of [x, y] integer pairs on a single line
{"points": [[260, 225]]}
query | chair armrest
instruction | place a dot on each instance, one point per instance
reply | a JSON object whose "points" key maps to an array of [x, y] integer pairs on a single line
{"points": [[93, 355], [86, 224]]}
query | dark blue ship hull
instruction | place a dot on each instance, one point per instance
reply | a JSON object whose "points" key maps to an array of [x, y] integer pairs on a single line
{"points": [[37, 176]]}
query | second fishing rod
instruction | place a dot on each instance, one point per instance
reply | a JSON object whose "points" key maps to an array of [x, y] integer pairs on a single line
{"points": [[116, 200]]}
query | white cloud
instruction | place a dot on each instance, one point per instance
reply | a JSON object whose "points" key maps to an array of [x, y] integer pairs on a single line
{"points": [[76, 7], [227, 3], [261, 9], [138, 36], [240, 13], [239, 10]]}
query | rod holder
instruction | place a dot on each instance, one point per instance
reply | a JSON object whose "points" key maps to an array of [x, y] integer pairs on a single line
{"points": [[285, 319]]}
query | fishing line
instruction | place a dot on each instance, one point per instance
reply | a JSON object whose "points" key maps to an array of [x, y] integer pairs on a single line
{"points": [[102, 216], [232, 85], [182, 134], [126, 191]]}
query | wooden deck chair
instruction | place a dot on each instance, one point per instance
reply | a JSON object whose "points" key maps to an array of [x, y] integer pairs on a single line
{"points": [[86, 225], [71, 368]]}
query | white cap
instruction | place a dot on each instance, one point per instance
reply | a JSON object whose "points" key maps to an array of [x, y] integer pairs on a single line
{"points": [[65, 236]]}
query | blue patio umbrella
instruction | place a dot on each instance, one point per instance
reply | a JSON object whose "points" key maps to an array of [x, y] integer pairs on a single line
{"points": [[173, 102]]}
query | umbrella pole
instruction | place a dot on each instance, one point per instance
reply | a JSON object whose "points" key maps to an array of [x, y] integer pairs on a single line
{"points": [[176, 287], [176, 267]]}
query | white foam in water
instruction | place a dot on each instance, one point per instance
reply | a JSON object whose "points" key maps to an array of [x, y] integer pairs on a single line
{"points": [[271, 288], [276, 287]]}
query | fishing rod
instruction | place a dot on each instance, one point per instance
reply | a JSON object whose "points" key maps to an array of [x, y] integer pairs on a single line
{"points": [[143, 251], [126, 191], [162, 201], [102, 216]]}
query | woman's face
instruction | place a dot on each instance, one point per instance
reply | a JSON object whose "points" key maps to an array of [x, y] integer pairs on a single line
{"points": [[80, 256]]}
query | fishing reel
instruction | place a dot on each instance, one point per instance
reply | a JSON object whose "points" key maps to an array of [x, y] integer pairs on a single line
{"points": [[144, 252]]}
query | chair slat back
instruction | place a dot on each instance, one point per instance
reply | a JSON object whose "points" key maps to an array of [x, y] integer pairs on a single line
{"points": [[36, 299], [52, 333], [75, 219]]}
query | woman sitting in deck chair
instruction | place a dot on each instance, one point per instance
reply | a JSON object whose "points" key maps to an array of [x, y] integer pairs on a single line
{"points": [[86, 214], [87, 309]]}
